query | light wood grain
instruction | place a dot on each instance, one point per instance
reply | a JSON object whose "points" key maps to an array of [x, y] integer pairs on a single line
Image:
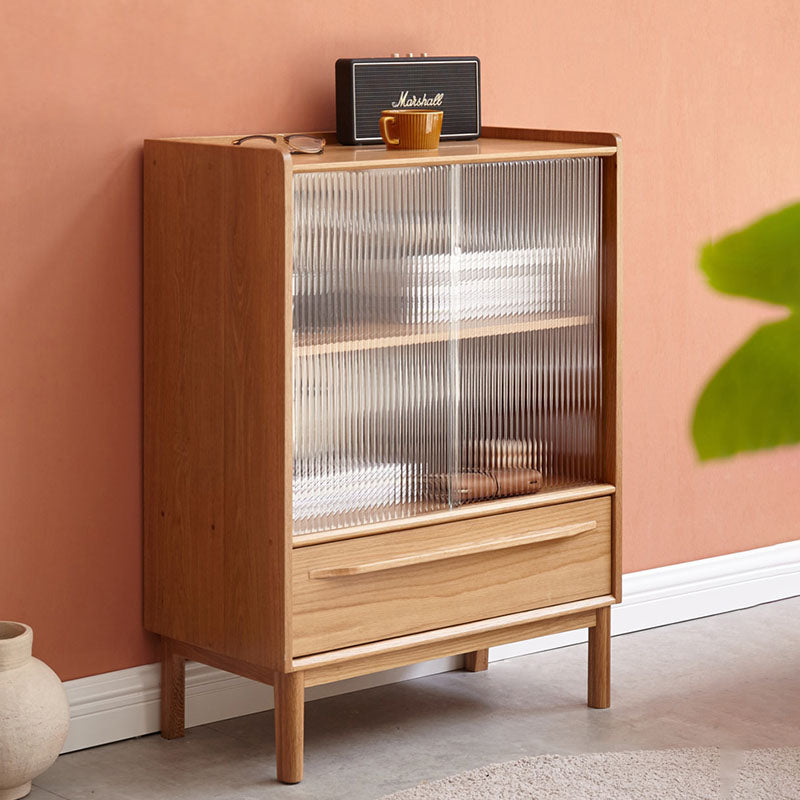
{"points": [[221, 573], [428, 556], [485, 149], [335, 613], [469, 511], [599, 689], [217, 386], [173, 692], [439, 333], [247, 670], [439, 649], [480, 150], [183, 399], [257, 421], [611, 443], [477, 660], [454, 633], [359, 660], [536, 135], [289, 713]]}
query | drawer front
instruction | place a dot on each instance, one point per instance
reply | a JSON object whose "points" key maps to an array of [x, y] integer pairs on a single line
{"points": [[376, 587]]}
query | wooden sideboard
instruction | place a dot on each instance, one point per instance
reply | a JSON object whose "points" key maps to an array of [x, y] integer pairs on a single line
{"points": [[245, 348]]}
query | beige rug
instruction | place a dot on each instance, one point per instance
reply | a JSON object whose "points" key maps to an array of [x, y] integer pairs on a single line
{"points": [[691, 774]]}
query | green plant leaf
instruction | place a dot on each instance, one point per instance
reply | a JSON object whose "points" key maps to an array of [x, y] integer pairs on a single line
{"points": [[753, 402], [760, 261]]}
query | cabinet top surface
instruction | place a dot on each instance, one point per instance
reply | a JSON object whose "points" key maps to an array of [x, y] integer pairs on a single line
{"points": [[337, 156]]}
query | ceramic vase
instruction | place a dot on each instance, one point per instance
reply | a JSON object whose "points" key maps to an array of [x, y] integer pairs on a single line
{"points": [[34, 714]]}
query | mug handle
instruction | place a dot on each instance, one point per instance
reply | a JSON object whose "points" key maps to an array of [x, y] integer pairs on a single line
{"points": [[384, 125]]}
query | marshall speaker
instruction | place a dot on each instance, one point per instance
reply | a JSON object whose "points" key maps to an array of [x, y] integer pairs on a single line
{"points": [[367, 86]]}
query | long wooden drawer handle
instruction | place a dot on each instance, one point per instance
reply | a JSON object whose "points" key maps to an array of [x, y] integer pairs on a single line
{"points": [[563, 532]]}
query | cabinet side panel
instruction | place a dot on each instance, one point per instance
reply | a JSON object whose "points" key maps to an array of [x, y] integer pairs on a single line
{"points": [[214, 407], [257, 220], [183, 398], [611, 430]]}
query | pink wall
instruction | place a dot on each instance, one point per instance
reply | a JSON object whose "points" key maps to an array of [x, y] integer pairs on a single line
{"points": [[705, 95]]}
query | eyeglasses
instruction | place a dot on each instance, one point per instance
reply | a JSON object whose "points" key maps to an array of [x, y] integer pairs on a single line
{"points": [[297, 142]]}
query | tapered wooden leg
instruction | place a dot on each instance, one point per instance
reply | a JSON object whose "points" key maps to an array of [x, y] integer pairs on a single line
{"points": [[173, 692], [600, 660], [477, 660], [289, 707]]}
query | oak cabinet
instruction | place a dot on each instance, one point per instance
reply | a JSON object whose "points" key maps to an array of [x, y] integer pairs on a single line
{"points": [[380, 406]]}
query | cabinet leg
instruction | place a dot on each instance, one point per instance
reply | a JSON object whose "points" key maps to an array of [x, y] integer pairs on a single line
{"points": [[600, 660], [173, 692], [477, 660], [289, 707]]}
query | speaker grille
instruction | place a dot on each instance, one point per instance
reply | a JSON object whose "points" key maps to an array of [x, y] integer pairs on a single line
{"points": [[379, 85]]}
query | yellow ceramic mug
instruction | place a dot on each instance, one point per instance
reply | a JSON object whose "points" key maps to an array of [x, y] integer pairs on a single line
{"points": [[411, 129]]}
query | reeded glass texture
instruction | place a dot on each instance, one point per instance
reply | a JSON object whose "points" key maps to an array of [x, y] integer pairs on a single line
{"points": [[446, 336]]}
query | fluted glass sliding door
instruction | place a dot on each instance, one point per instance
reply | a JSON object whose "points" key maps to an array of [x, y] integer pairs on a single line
{"points": [[445, 324]]}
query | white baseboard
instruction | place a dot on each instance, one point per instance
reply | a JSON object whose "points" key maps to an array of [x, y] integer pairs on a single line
{"points": [[120, 705]]}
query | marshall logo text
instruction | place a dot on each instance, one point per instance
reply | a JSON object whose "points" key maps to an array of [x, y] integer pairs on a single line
{"points": [[404, 101]]}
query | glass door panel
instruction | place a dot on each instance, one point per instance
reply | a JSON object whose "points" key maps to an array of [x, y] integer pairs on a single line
{"points": [[445, 336], [372, 281], [530, 389]]}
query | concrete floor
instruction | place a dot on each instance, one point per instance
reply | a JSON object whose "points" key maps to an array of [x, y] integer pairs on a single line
{"points": [[731, 681]]}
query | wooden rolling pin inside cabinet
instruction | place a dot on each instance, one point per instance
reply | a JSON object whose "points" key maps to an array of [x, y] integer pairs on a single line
{"points": [[381, 418]]}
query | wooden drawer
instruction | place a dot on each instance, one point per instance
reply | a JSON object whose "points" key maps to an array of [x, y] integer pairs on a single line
{"points": [[376, 587]]}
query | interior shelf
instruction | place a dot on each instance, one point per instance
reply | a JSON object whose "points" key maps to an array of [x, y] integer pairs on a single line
{"points": [[393, 336]]}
